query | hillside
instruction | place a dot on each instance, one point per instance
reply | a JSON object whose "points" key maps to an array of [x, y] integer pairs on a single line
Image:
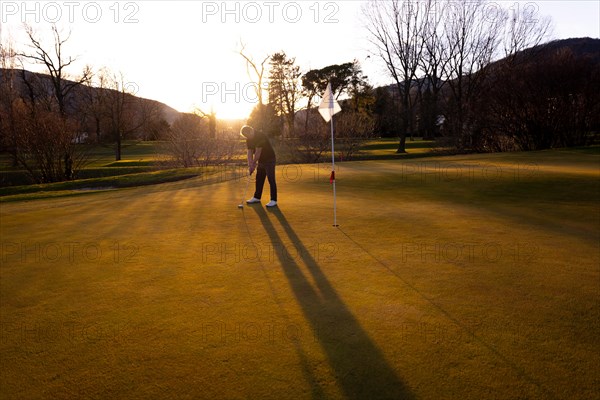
{"points": [[581, 48], [77, 99]]}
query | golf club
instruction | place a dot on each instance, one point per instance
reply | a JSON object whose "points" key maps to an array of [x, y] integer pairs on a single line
{"points": [[241, 205]]}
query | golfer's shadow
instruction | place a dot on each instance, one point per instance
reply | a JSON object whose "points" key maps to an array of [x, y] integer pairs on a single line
{"points": [[360, 368]]}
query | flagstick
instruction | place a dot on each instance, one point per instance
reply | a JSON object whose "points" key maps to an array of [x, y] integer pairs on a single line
{"points": [[333, 171], [327, 109]]}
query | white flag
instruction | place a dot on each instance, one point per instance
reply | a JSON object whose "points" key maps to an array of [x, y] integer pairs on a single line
{"points": [[329, 107]]}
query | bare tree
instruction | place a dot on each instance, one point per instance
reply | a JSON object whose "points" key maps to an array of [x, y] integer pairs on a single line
{"points": [[212, 120], [46, 131], [189, 143], [434, 65], [183, 140], [256, 72], [55, 62], [8, 97], [112, 111], [353, 128], [523, 29], [151, 119], [93, 104], [261, 114], [476, 33], [472, 38], [499, 113], [45, 142], [396, 30], [453, 44], [122, 112]]}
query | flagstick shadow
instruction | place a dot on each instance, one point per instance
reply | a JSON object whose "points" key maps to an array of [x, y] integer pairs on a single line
{"points": [[470, 333], [360, 368]]}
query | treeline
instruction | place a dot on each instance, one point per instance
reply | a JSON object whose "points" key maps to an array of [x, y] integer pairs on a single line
{"points": [[289, 113], [45, 118], [545, 97], [447, 85], [441, 55]]}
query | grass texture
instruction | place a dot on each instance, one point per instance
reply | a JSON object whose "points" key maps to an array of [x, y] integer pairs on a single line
{"points": [[460, 277]]}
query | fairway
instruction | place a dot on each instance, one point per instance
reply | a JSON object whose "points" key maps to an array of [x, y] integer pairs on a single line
{"points": [[458, 277]]}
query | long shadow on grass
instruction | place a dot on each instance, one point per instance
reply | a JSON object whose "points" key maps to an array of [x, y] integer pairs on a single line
{"points": [[515, 367], [359, 365]]}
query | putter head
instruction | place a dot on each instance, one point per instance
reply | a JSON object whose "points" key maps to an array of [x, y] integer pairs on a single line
{"points": [[240, 206]]}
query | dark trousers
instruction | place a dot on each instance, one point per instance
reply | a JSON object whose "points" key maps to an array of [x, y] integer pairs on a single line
{"points": [[265, 170]]}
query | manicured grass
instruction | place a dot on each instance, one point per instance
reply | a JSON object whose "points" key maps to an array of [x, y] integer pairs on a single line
{"points": [[29, 192], [137, 157], [386, 145], [461, 277], [141, 157]]}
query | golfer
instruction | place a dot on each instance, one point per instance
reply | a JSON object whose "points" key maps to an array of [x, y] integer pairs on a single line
{"points": [[261, 157]]}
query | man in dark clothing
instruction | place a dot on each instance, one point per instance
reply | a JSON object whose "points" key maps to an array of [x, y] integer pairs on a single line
{"points": [[261, 157]]}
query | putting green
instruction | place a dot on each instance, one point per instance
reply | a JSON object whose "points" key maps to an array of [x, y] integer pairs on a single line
{"points": [[463, 277]]}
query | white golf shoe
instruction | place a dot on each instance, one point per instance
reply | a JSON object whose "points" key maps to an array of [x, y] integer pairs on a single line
{"points": [[272, 203], [253, 200]]}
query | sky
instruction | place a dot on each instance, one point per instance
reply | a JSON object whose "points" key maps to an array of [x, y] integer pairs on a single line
{"points": [[186, 53]]}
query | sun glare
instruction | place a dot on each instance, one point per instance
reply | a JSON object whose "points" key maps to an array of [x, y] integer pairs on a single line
{"points": [[236, 111], [226, 111], [217, 81]]}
